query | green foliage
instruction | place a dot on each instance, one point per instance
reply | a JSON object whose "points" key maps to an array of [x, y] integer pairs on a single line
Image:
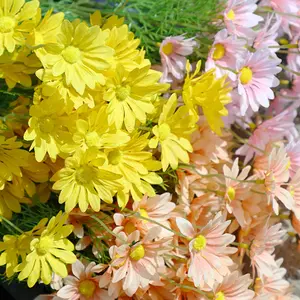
{"points": [[152, 20]]}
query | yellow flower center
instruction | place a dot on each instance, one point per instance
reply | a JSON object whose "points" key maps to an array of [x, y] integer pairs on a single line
{"points": [[199, 243], [43, 245], [129, 228], [87, 288], [123, 92], [46, 125], [7, 24], [219, 52], [137, 253], [220, 296], [71, 54], [246, 75], [231, 193], [231, 15], [144, 214], [114, 157], [84, 175], [288, 164], [92, 139], [167, 48]]}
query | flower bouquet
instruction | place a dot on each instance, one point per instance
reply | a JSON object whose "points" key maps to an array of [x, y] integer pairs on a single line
{"points": [[149, 150]]}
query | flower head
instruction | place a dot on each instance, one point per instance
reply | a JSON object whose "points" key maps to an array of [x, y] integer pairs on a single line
{"points": [[83, 182], [273, 169], [225, 52], [234, 287], [209, 93], [82, 284], [173, 132], [16, 19], [80, 55], [256, 78], [49, 252], [11, 159], [137, 261], [130, 95], [208, 250], [239, 17], [173, 51]]}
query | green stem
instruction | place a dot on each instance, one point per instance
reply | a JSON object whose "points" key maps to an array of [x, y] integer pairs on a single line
{"points": [[11, 224], [289, 70]]}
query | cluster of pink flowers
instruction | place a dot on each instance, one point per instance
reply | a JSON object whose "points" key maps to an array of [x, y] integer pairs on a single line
{"points": [[215, 236]]}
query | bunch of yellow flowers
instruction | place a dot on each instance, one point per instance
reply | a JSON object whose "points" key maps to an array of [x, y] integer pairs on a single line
{"points": [[98, 122]]}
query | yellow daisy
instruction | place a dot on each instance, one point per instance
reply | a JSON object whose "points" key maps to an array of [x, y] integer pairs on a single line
{"points": [[48, 127], [209, 93], [15, 16], [92, 130], [50, 252], [83, 181], [18, 66], [11, 198], [135, 165], [45, 30], [130, 95], [80, 55], [173, 133], [11, 159], [125, 45], [13, 248]]}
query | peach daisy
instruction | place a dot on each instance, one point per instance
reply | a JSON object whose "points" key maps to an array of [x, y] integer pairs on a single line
{"points": [[82, 285], [239, 17], [233, 287], [256, 78], [273, 170], [173, 52], [263, 246], [225, 51], [209, 250], [294, 189], [274, 285], [156, 208], [136, 262], [293, 152]]}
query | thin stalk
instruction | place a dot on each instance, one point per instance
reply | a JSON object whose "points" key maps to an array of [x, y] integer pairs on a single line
{"points": [[11, 225], [107, 229]]}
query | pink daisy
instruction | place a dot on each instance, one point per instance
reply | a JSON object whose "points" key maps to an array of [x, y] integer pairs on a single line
{"points": [[173, 52], [293, 152], [275, 129], [256, 78], [273, 169], [234, 112], [266, 37], [239, 17], [137, 262], [263, 246], [209, 251], [83, 285], [224, 53], [286, 9], [234, 286]]}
